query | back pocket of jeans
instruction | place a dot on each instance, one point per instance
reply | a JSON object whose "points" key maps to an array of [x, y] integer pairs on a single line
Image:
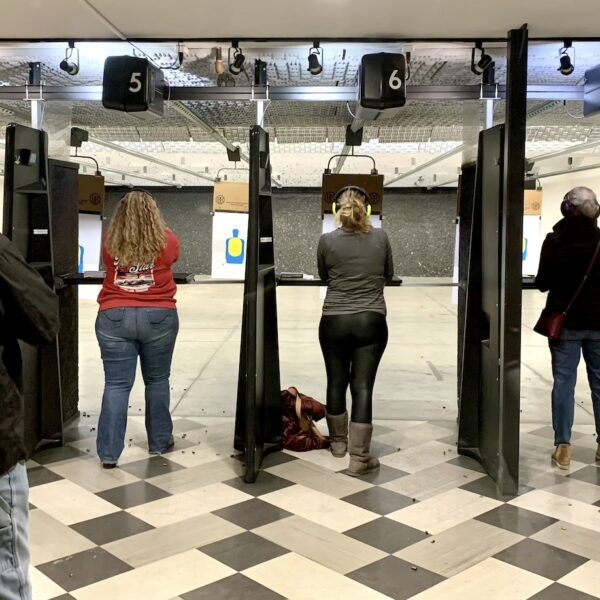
{"points": [[110, 319], [160, 317]]}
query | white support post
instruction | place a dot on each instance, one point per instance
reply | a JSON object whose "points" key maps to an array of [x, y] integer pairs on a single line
{"points": [[37, 113], [260, 112], [489, 114]]}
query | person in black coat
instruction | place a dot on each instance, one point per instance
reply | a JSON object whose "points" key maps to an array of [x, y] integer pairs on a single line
{"points": [[565, 258], [28, 312]]}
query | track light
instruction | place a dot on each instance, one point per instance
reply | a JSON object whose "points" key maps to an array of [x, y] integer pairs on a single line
{"points": [[67, 65], [485, 60], [407, 50], [183, 52], [237, 65], [566, 64], [219, 64], [314, 65]]}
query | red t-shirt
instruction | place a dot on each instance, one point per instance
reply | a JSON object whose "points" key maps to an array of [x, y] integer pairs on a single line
{"points": [[150, 286]]}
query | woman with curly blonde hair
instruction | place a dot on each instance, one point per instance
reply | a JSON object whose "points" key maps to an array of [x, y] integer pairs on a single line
{"points": [[137, 317], [355, 260]]}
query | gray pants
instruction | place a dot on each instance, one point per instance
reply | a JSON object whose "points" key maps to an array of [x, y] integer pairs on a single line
{"points": [[14, 545]]}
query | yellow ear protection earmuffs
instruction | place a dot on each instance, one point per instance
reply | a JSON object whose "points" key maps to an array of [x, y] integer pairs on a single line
{"points": [[351, 188], [567, 208]]}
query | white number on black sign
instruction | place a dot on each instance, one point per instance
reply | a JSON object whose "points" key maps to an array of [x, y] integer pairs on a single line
{"points": [[395, 83], [135, 83]]}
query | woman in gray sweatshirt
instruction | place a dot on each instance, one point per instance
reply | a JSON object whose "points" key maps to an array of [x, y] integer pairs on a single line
{"points": [[355, 260]]}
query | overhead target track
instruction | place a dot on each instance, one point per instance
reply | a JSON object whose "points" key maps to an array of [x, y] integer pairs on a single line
{"points": [[296, 93]]}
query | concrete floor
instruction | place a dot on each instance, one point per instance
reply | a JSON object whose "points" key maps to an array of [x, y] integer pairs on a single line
{"points": [[417, 377]]}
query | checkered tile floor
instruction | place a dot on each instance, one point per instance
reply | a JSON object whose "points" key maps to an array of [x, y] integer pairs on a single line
{"points": [[429, 525]]}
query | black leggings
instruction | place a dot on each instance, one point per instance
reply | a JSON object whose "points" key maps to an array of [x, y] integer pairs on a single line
{"points": [[352, 347]]}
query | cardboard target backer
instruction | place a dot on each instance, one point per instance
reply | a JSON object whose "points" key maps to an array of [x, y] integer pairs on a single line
{"points": [[91, 194], [334, 182], [230, 197], [532, 232], [533, 203]]}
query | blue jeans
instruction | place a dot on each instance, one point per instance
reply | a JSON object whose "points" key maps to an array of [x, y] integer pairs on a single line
{"points": [[14, 546], [566, 353], [123, 335]]}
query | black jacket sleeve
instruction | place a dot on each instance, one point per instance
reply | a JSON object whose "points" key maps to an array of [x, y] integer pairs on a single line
{"points": [[544, 279], [30, 306], [321, 264]]}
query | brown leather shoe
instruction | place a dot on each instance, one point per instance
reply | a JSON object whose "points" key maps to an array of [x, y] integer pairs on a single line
{"points": [[598, 453], [561, 457]]}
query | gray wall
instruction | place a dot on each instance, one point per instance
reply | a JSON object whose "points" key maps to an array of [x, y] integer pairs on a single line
{"points": [[420, 226]]}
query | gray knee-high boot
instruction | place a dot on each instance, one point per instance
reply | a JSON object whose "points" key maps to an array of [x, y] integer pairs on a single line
{"points": [[338, 433], [361, 461]]}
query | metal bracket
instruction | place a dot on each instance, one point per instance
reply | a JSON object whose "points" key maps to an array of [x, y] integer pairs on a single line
{"points": [[255, 97], [39, 89], [483, 96]]}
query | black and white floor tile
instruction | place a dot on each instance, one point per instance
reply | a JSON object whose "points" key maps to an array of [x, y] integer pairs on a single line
{"points": [[429, 525]]}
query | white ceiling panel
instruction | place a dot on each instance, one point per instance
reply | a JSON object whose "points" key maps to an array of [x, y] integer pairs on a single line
{"points": [[50, 19], [306, 19]]}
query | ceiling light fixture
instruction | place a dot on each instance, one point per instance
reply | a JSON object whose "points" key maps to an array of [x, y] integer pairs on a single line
{"points": [[67, 65], [183, 52], [314, 65], [485, 60], [237, 65], [407, 51], [566, 64]]}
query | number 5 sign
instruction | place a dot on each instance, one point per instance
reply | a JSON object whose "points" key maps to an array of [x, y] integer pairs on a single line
{"points": [[132, 84], [135, 83]]}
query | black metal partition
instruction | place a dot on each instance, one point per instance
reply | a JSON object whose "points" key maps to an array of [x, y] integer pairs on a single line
{"points": [[258, 424], [63, 179], [480, 410], [28, 223], [490, 318]]}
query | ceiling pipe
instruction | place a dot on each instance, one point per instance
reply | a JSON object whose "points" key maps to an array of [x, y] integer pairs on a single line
{"points": [[151, 159], [535, 177], [438, 185], [188, 113], [563, 172], [128, 174], [569, 150], [433, 161]]}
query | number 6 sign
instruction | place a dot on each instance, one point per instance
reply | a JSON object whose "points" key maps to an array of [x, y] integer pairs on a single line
{"points": [[394, 82], [382, 81]]}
